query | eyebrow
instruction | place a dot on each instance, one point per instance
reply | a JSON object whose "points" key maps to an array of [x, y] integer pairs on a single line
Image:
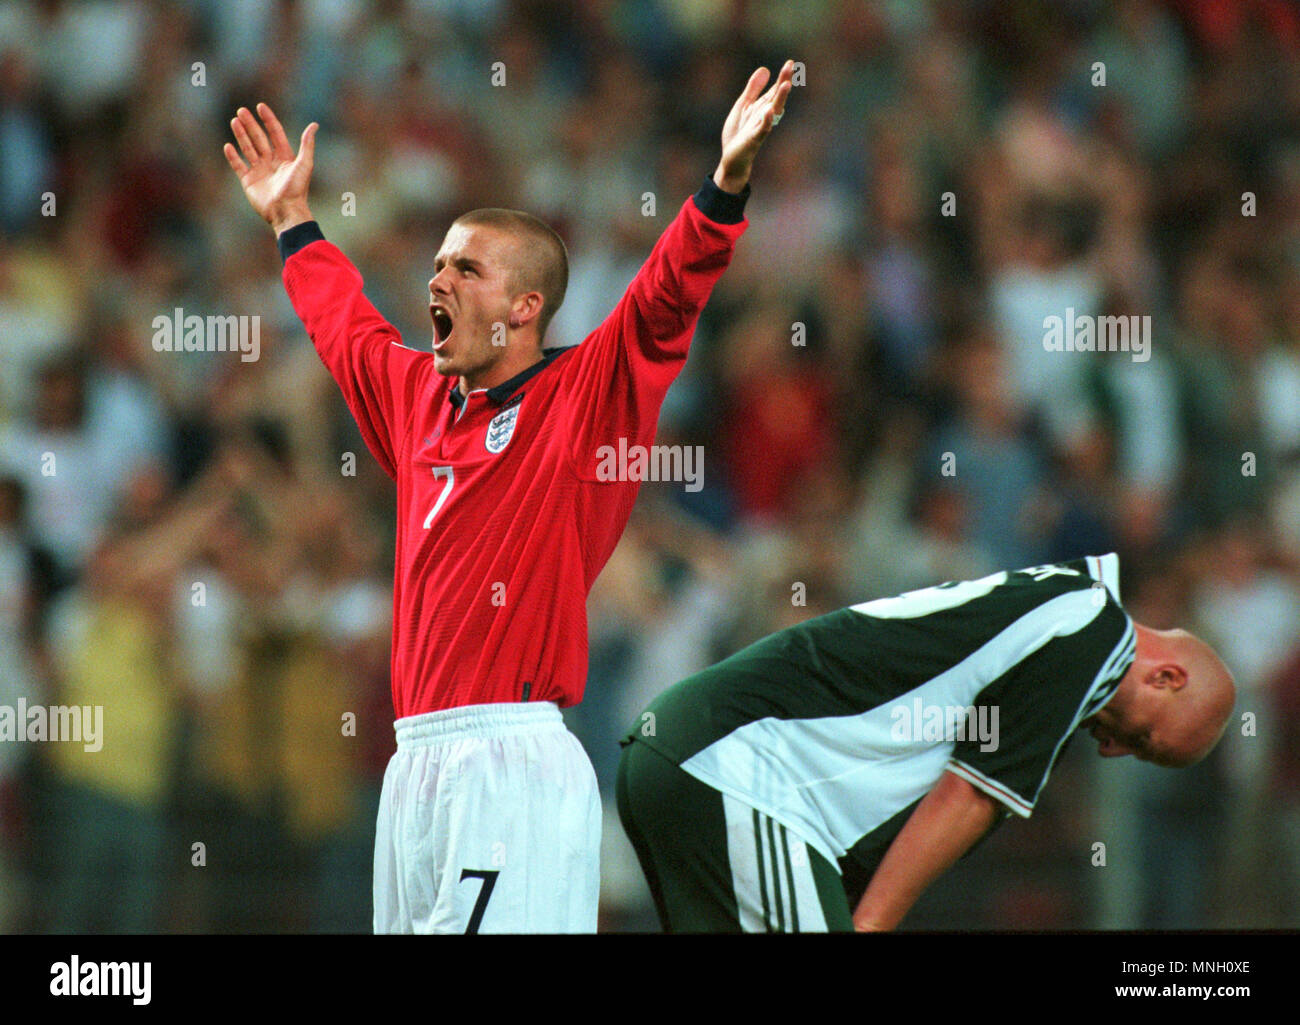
{"points": [[463, 262]]}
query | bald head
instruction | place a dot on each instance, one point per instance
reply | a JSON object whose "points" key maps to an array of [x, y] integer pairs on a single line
{"points": [[1172, 705], [539, 259], [1208, 697]]}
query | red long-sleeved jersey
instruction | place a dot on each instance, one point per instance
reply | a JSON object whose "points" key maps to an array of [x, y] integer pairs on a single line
{"points": [[502, 522]]}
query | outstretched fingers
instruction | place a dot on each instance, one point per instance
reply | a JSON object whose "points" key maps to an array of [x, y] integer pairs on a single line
{"points": [[232, 158], [755, 85], [261, 143], [759, 110], [781, 89], [307, 145], [245, 143], [773, 100], [748, 95], [279, 141]]}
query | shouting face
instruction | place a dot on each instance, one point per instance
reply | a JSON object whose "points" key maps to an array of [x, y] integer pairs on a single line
{"points": [[470, 296]]}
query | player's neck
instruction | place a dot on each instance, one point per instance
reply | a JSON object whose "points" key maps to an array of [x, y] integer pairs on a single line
{"points": [[511, 364]]}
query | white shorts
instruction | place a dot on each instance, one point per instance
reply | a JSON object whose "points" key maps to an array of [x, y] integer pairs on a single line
{"points": [[489, 821]]}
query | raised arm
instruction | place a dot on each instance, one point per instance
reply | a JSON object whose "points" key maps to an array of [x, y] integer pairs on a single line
{"points": [[620, 374], [945, 825], [659, 309], [377, 375]]}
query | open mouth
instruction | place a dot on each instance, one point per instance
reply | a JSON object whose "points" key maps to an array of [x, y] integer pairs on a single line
{"points": [[442, 325]]}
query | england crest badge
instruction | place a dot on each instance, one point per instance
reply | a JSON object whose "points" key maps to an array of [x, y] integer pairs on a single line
{"points": [[501, 429]]}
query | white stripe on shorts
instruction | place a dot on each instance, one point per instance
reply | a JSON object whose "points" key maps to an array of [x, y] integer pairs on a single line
{"points": [[771, 873]]}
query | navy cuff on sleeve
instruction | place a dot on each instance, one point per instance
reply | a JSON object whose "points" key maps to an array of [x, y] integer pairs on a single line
{"points": [[723, 207], [292, 239]]}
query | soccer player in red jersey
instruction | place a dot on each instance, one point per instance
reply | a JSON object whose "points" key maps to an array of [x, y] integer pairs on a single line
{"points": [[489, 817]]}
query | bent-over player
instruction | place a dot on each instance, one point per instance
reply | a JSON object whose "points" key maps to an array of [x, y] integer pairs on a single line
{"points": [[823, 777], [489, 815]]}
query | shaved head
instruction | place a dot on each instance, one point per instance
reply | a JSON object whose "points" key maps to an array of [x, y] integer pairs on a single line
{"points": [[1208, 697], [1172, 705], [540, 262]]}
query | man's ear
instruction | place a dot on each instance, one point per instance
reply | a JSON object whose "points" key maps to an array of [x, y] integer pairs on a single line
{"points": [[525, 308], [1169, 675]]}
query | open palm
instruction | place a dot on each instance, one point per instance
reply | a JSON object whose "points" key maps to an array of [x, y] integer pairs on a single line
{"points": [[274, 179], [751, 119]]}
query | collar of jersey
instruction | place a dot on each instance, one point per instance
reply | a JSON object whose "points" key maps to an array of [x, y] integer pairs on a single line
{"points": [[498, 394]]}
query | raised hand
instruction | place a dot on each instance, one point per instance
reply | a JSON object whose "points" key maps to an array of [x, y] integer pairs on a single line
{"points": [[274, 180], [748, 124]]}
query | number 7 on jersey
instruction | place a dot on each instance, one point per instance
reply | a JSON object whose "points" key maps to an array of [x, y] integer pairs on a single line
{"points": [[450, 474]]}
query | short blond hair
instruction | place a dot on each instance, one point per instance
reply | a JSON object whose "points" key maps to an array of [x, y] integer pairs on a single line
{"points": [[543, 261]]}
